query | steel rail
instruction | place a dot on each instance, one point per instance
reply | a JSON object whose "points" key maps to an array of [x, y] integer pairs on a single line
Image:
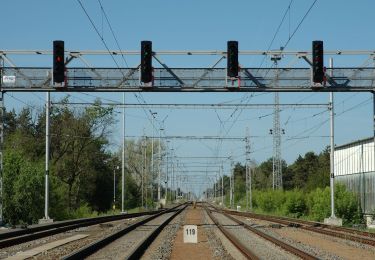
{"points": [[93, 247], [334, 228], [277, 242], [340, 232], [12, 238], [139, 251], [238, 244]]}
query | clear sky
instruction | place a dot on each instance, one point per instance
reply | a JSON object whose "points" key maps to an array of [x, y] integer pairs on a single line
{"points": [[205, 25]]}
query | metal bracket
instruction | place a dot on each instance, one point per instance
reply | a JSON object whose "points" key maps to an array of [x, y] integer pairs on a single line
{"points": [[253, 79], [49, 77], [88, 65], [169, 70], [127, 76], [7, 60], [207, 71], [330, 80]]}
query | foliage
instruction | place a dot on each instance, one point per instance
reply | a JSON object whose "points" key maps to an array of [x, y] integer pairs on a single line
{"points": [[309, 172], [314, 205], [347, 205], [318, 203], [269, 201], [23, 189], [81, 166], [84, 211], [82, 171], [295, 203]]}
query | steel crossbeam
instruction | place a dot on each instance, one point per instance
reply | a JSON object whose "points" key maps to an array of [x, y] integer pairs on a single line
{"points": [[91, 78], [112, 80]]}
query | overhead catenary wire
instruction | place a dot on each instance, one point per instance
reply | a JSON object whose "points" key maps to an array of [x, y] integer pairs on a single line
{"points": [[106, 46], [300, 23], [277, 31], [309, 131], [138, 96]]}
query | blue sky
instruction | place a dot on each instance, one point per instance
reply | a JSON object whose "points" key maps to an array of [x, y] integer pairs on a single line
{"points": [[205, 25]]}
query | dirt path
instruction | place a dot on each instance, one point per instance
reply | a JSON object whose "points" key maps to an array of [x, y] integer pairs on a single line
{"points": [[201, 250]]}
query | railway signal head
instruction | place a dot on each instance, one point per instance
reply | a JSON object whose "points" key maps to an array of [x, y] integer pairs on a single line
{"points": [[232, 59], [318, 62], [146, 61], [58, 62]]}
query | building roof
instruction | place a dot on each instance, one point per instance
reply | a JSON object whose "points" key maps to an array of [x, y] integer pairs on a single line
{"points": [[357, 142]]}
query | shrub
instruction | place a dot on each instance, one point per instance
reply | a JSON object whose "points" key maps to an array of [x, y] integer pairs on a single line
{"points": [[347, 205], [269, 201], [83, 211], [23, 190], [295, 203], [314, 205], [318, 202]]}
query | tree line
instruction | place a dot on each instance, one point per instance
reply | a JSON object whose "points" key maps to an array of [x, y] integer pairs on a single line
{"points": [[82, 166], [305, 192]]}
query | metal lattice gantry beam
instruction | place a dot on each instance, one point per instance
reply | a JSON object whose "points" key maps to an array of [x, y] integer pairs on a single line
{"points": [[168, 79], [192, 137], [195, 106]]}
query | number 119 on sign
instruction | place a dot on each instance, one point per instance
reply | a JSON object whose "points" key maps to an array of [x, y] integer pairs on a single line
{"points": [[190, 234]]}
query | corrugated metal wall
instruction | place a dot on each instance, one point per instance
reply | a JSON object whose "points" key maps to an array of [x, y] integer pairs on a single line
{"points": [[354, 167], [363, 184], [356, 158]]}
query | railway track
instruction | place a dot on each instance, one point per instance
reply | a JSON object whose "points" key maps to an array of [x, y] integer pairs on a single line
{"points": [[243, 248], [149, 229], [11, 238], [339, 232], [228, 230]]}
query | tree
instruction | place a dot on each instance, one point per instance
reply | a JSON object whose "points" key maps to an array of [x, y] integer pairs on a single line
{"points": [[78, 140], [309, 172], [239, 181], [23, 189], [263, 175]]}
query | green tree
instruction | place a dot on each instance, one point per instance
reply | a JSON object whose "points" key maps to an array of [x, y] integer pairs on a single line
{"points": [[23, 189], [263, 175], [78, 148], [308, 172]]}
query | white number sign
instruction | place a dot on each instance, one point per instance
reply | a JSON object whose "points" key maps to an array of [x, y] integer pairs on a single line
{"points": [[190, 234], [9, 79]]}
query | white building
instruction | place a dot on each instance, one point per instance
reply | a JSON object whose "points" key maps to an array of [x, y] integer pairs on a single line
{"points": [[354, 167]]}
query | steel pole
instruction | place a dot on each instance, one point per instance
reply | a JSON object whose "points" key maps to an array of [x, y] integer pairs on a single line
{"points": [[247, 169], [144, 183], [373, 100], [172, 175], [159, 167], [230, 189], [46, 185], [177, 184], [152, 157], [251, 191], [114, 189], [247, 184], [123, 158], [222, 185], [173, 180], [166, 178], [1, 141], [332, 169], [215, 190]]}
